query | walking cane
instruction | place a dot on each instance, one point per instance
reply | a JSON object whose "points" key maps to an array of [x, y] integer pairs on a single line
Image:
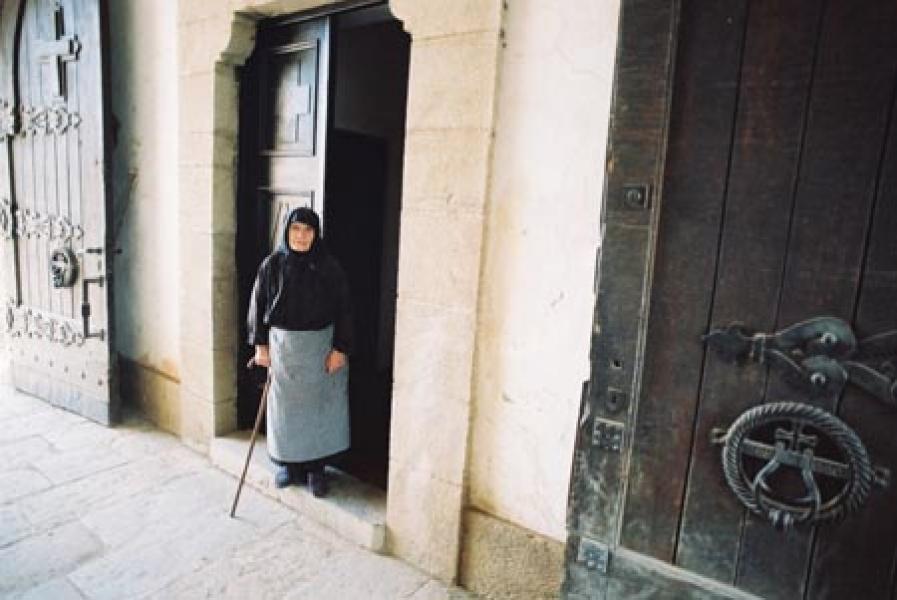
{"points": [[255, 432]]}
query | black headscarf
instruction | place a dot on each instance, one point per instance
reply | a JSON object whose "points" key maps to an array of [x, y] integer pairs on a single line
{"points": [[310, 218]]}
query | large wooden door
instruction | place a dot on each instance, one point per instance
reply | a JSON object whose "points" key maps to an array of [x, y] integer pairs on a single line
{"points": [[777, 203], [53, 204], [293, 75], [284, 110]]}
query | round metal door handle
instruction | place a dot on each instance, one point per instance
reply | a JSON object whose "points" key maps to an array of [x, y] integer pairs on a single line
{"points": [[63, 267]]}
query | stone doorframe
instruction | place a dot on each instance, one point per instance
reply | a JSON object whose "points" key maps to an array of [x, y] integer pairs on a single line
{"points": [[450, 120]]}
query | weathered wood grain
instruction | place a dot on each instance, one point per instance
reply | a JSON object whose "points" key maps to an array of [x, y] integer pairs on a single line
{"points": [[634, 575], [847, 117], [855, 558], [703, 109], [8, 165], [636, 150], [775, 79]]}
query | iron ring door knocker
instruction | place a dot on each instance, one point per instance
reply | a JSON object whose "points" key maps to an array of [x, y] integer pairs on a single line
{"points": [[63, 267], [817, 458], [830, 487]]}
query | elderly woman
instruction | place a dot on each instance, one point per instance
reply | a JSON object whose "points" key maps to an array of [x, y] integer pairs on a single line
{"points": [[300, 322]]}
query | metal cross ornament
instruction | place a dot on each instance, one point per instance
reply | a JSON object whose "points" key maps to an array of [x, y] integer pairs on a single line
{"points": [[57, 52]]}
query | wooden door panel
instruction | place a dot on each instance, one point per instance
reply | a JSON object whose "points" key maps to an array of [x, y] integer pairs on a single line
{"points": [[773, 89], [855, 558], [55, 184], [694, 184], [292, 77], [293, 73], [290, 172], [848, 116]]}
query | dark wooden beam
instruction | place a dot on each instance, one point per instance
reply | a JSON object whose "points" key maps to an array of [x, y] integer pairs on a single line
{"points": [[635, 162]]}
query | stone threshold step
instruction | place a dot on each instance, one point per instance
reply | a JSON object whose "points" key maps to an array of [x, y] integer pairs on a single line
{"points": [[353, 509]]}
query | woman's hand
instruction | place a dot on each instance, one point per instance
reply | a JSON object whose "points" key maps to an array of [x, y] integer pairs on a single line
{"points": [[335, 361], [262, 358]]}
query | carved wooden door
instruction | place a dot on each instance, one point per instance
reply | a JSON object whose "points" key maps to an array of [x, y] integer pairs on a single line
{"points": [[284, 116], [747, 462], [293, 61], [53, 204]]}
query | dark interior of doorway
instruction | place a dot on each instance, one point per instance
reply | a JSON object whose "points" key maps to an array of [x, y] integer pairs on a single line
{"points": [[365, 146]]}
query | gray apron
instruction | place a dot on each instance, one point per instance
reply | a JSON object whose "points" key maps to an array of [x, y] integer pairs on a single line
{"points": [[308, 410]]}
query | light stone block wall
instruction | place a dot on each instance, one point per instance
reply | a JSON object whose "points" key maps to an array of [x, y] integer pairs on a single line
{"points": [[144, 188], [536, 302], [451, 98]]}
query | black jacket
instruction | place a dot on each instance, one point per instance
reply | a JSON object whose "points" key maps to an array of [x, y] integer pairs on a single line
{"points": [[301, 292]]}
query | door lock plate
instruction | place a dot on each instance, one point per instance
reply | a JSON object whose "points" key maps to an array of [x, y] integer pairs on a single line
{"points": [[594, 555], [608, 435]]}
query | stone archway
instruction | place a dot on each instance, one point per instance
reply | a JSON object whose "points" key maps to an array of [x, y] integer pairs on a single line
{"points": [[454, 56]]}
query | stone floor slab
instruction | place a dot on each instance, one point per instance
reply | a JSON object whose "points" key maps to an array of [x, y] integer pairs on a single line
{"points": [[21, 482], [39, 559], [149, 518], [39, 423], [263, 568], [15, 404], [24, 452], [75, 499], [13, 525], [189, 505], [57, 589], [160, 555], [350, 575], [75, 464]]}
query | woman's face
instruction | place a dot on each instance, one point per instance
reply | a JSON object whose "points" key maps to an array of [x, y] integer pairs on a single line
{"points": [[301, 237]]}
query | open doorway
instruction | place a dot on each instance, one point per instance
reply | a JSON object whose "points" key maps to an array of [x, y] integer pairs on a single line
{"points": [[341, 100], [364, 193]]}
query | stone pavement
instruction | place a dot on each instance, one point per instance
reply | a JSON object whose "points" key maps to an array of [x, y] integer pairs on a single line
{"points": [[130, 512]]}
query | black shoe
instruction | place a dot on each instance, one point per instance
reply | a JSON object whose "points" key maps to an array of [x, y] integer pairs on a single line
{"points": [[282, 477], [317, 483], [298, 474]]}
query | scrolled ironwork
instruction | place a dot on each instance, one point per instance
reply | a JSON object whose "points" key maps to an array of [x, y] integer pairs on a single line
{"points": [[818, 356], [32, 224], [49, 120], [826, 336], [7, 219], [24, 321], [9, 120]]}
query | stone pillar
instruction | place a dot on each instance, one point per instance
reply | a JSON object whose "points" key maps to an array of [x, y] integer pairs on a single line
{"points": [[451, 97], [210, 48]]}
